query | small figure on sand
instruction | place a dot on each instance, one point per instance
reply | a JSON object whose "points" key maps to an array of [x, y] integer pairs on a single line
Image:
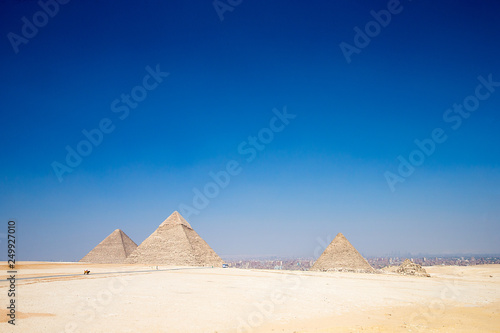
{"points": [[86, 272]]}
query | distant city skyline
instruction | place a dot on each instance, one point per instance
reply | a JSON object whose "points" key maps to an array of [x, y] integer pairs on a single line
{"points": [[271, 126]]}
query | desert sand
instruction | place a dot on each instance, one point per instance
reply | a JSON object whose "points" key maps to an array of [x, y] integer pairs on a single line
{"points": [[57, 297]]}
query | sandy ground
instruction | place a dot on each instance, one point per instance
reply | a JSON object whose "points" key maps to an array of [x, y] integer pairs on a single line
{"points": [[136, 298]]}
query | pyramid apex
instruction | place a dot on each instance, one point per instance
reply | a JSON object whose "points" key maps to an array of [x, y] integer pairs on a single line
{"points": [[177, 214], [115, 232], [340, 238], [174, 219]]}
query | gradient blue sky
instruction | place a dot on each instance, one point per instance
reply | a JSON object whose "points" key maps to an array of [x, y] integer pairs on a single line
{"points": [[323, 174]]}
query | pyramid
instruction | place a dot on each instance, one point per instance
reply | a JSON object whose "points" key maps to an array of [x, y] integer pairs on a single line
{"points": [[340, 255], [112, 250], [410, 268], [175, 243]]}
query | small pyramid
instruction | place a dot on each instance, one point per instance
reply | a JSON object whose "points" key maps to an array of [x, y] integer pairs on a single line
{"points": [[410, 268], [340, 255], [114, 249], [175, 243]]}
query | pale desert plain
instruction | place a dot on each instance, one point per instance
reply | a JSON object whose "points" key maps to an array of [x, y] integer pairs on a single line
{"points": [[57, 297]]}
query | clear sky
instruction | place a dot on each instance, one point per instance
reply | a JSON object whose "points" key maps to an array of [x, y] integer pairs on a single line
{"points": [[311, 105]]}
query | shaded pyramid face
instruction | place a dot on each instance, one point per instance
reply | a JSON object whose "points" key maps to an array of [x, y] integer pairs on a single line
{"points": [[114, 249], [175, 243], [340, 255]]}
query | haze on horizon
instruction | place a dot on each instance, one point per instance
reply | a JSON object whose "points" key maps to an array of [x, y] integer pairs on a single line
{"points": [[288, 139]]}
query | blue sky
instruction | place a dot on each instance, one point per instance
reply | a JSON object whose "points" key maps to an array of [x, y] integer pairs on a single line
{"points": [[324, 173]]}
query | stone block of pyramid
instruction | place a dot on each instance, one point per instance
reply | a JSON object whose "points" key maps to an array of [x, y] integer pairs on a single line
{"points": [[112, 250], [175, 243], [340, 255]]}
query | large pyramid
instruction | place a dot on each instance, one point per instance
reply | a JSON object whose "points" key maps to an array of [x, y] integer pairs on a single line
{"points": [[175, 243], [112, 250], [340, 255]]}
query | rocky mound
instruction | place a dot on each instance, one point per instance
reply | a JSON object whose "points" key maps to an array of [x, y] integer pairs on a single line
{"points": [[410, 268]]}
